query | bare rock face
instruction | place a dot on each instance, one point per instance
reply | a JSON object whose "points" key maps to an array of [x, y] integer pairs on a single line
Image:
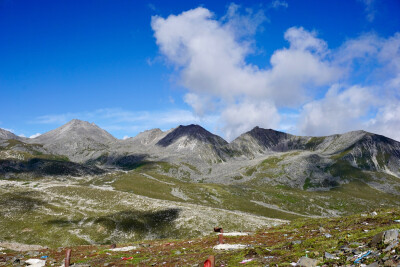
{"points": [[78, 140], [4, 134], [185, 135], [259, 141], [193, 140]]}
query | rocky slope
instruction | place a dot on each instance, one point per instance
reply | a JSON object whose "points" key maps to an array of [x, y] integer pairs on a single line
{"points": [[78, 140], [4, 135]]}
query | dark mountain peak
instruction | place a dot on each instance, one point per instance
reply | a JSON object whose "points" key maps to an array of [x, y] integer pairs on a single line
{"points": [[259, 130], [267, 137], [258, 140], [192, 131]]}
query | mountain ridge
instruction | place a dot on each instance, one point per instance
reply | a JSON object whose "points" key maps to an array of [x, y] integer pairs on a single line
{"points": [[266, 155]]}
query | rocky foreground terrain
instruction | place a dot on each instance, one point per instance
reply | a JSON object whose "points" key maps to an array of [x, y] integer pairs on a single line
{"points": [[359, 240]]}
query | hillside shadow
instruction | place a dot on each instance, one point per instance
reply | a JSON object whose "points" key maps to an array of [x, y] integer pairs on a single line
{"points": [[142, 223], [39, 167], [126, 162], [19, 202]]}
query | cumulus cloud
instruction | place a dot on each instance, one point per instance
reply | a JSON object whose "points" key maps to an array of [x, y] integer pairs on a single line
{"points": [[354, 86], [210, 56], [35, 135], [239, 118], [341, 110], [387, 121], [389, 57], [376, 62]]}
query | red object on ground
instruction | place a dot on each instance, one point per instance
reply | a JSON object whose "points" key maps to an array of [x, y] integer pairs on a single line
{"points": [[127, 258], [67, 258], [210, 262]]}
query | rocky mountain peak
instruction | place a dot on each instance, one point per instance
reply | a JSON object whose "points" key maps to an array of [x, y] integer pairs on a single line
{"points": [[4, 134], [76, 129], [145, 138], [78, 140], [192, 131], [265, 138]]}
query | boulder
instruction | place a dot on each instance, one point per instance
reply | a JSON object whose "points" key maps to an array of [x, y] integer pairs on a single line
{"points": [[390, 236], [386, 237], [307, 262], [330, 256]]}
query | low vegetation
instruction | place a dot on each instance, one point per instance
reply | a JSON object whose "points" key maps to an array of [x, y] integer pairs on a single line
{"points": [[329, 241]]}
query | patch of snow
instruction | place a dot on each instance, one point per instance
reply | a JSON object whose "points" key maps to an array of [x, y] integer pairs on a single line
{"points": [[36, 262], [128, 248], [235, 234], [229, 246]]}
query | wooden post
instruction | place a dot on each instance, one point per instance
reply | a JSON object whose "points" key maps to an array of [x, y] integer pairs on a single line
{"points": [[210, 262], [68, 258], [220, 239], [220, 236]]}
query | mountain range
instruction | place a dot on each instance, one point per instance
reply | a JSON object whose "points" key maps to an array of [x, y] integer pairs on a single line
{"points": [[263, 155]]}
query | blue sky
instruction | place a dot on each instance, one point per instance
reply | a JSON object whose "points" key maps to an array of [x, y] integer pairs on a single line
{"points": [[305, 67]]}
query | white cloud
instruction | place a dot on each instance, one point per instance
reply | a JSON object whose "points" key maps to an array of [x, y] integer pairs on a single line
{"points": [[35, 135], [359, 81], [125, 137], [55, 118], [369, 9], [389, 57], [211, 60], [387, 121], [21, 135], [279, 3], [239, 118], [243, 25], [341, 110], [376, 62]]}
